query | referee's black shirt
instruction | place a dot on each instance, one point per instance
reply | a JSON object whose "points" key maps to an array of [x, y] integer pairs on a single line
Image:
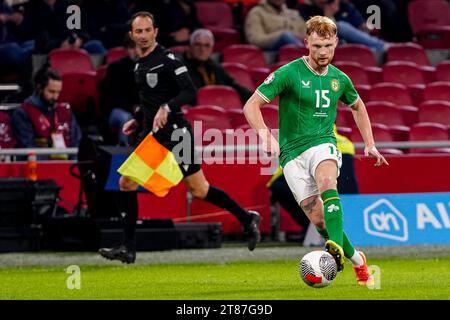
{"points": [[162, 78]]}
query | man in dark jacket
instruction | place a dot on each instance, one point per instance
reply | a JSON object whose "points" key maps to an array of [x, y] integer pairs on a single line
{"points": [[205, 71], [43, 122], [119, 93], [176, 19]]}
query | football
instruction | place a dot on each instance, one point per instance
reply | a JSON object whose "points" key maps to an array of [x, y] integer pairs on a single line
{"points": [[318, 269]]}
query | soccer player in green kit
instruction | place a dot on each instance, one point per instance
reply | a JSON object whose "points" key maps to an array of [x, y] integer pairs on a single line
{"points": [[309, 89]]}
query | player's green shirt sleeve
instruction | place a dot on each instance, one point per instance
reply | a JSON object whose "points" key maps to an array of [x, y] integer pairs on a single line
{"points": [[274, 84], [349, 95]]}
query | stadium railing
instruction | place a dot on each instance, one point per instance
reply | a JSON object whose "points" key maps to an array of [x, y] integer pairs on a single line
{"points": [[219, 148]]}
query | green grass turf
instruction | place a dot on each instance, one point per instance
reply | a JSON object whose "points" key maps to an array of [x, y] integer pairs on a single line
{"points": [[400, 279]]}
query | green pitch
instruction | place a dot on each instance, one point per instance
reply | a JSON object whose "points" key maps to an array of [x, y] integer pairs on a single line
{"points": [[400, 279], [408, 277]]}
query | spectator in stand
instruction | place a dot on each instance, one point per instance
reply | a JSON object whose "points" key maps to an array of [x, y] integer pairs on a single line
{"points": [[46, 21], [350, 24], [43, 122], [395, 25], [105, 20], [205, 71], [15, 48], [271, 25], [175, 19], [119, 94]]}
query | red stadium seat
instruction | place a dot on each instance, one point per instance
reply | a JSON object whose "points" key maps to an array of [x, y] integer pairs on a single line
{"points": [[386, 113], [408, 52], [406, 73], [345, 131], [116, 53], [435, 111], [211, 117], [391, 92], [425, 14], [409, 114], [435, 37], [80, 91], [101, 73], [224, 37], [259, 75], [7, 139], [214, 14], [178, 49], [399, 133], [278, 65], [381, 133], [222, 96], [240, 73], [428, 131], [355, 53], [270, 115], [342, 117], [247, 54], [430, 22], [218, 17], [236, 117], [70, 60], [443, 71], [414, 53], [437, 91], [244, 127], [291, 52], [363, 91], [354, 71]]}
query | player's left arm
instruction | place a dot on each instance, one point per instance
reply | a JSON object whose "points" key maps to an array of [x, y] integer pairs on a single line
{"points": [[362, 120], [186, 93]]}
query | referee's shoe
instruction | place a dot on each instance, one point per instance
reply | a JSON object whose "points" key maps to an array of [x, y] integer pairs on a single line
{"points": [[252, 229], [121, 253]]}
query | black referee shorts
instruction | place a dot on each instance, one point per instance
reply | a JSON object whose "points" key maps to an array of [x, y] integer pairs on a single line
{"points": [[189, 163]]}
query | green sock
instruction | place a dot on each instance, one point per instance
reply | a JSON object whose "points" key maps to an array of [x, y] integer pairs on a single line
{"points": [[348, 248], [332, 214]]}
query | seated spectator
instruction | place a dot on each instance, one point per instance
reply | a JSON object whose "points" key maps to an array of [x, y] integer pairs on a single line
{"points": [[15, 48], [105, 20], [395, 25], [344, 15], [175, 19], [46, 21], [119, 94], [43, 122], [204, 70], [271, 25]]}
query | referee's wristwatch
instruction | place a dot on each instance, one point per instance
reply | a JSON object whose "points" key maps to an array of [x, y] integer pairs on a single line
{"points": [[165, 106]]}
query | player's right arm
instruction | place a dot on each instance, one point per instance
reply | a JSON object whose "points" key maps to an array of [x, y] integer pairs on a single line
{"points": [[362, 121], [254, 117], [350, 97]]}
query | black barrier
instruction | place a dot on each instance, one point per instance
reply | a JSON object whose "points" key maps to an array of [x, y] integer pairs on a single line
{"points": [[24, 202], [94, 164]]}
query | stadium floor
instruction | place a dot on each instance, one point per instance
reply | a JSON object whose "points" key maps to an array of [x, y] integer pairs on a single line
{"points": [[413, 272], [226, 254]]}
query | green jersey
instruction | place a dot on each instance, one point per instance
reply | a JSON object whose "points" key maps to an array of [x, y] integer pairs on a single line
{"points": [[308, 105]]}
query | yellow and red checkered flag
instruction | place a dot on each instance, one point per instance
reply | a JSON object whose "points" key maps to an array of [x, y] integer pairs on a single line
{"points": [[152, 166]]}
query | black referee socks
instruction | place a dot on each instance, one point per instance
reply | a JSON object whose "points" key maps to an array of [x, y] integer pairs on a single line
{"points": [[221, 199], [129, 211]]}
